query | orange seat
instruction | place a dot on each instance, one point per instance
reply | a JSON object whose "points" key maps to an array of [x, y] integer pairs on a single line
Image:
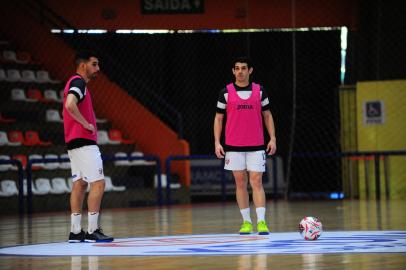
{"points": [[24, 57], [22, 158], [32, 138], [115, 135], [15, 136], [34, 94]]}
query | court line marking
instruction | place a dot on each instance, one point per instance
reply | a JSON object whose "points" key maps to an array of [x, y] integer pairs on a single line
{"points": [[224, 244]]}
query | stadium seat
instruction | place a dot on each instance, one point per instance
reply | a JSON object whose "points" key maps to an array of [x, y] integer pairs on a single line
{"points": [[25, 189], [32, 138], [51, 165], [42, 186], [13, 75], [109, 185], [103, 138], [53, 116], [21, 158], [43, 77], [59, 186], [3, 76], [51, 95], [28, 76], [116, 136], [24, 57], [5, 141], [125, 162], [16, 137], [138, 161], [35, 95], [36, 166], [64, 164], [18, 94], [8, 188], [5, 167], [10, 56]]}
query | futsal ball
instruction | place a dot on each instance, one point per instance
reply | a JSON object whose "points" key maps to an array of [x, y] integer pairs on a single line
{"points": [[310, 228]]}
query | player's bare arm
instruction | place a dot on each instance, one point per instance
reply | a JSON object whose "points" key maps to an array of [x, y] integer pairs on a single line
{"points": [[270, 126], [218, 125]]}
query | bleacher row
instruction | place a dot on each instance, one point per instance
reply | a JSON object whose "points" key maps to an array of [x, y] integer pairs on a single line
{"points": [[44, 186], [32, 138], [31, 128]]}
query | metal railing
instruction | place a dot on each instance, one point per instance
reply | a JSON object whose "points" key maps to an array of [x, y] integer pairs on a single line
{"points": [[20, 182], [105, 158], [170, 159]]}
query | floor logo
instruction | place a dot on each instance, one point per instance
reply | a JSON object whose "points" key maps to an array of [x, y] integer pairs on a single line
{"points": [[226, 244]]}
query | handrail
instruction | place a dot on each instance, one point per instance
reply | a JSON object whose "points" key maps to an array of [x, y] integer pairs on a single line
{"points": [[20, 182], [223, 176], [105, 158], [375, 154]]}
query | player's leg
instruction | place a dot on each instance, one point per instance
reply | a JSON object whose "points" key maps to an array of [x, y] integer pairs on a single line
{"points": [[76, 200], [92, 166], [235, 161], [256, 166]]}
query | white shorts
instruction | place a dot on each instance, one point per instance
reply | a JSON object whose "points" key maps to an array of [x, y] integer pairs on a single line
{"points": [[86, 163], [250, 161]]}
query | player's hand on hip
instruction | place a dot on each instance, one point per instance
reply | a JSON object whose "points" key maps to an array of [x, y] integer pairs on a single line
{"points": [[219, 150], [271, 147], [90, 127]]}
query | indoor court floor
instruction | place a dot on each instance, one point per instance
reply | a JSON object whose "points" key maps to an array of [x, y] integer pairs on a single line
{"points": [[357, 235]]}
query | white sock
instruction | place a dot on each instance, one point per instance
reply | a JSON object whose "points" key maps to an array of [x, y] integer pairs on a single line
{"points": [[260, 214], [75, 223], [246, 214], [93, 218]]}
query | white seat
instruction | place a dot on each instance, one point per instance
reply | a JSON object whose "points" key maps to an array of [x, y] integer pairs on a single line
{"points": [[59, 186], [13, 75], [3, 76], [139, 161], [5, 167], [43, 186], [164, 182], [8, 188], [34, 190], [18, 94], [53, 116], [36, 156], [64, 164], [109, 185], [51, 165], [43, 77], [4, 140], [28, 76], [101, 120], [51, 95], [103, 138], [125, 162], [10, 56]]}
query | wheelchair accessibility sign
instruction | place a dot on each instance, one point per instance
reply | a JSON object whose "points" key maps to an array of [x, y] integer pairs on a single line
{"points": [[373, 112]]}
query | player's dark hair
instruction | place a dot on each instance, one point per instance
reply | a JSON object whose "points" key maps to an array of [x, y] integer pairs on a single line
{"points": [[243, 59], [83, 56]]}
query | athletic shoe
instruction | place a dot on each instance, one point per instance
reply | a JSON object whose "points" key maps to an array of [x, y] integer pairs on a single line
{"points": [[97, 236], [262, 228], [246, 227], [76, 237]]}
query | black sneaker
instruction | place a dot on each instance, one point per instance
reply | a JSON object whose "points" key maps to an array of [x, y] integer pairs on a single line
{"points": [[76, 237], [97, 236]]}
